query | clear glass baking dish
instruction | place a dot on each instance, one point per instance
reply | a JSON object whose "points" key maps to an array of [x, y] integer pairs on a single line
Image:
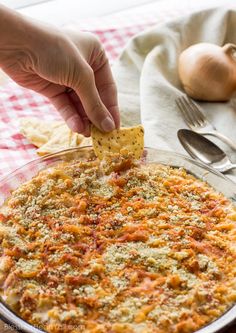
{"points": [[218, 181]]}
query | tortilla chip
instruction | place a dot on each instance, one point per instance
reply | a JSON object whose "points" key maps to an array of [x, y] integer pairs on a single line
{"points": [[129, 139], [38, 132], [85, 142], [63, 139], [50, 137]]}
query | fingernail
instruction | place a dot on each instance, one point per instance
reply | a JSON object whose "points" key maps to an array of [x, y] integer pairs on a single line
{"points": [[75, 124], [108, 124]]}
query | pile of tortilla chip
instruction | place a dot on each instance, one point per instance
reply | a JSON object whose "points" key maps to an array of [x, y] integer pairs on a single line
{"points": [[51, 137]]}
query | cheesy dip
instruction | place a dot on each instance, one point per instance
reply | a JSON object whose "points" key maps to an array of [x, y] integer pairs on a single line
{"points": [[120, 247]]}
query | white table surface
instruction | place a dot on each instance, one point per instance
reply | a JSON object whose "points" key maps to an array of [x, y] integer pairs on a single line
{"points": [[62, 12]]}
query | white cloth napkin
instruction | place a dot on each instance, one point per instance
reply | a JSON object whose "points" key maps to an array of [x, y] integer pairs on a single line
{"points": [[148, 83]]}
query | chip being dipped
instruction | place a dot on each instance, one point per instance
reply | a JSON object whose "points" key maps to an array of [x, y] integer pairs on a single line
{"points": [[129, 139]]}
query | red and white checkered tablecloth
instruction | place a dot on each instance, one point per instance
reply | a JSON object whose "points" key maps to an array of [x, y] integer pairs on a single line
{"points": [[114, 32]]}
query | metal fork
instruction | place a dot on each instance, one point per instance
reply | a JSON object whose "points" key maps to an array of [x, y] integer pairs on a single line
{"points": [[197, 121]]}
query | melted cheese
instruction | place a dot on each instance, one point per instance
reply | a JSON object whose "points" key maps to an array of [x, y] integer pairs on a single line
{"points": [[144, 249]]}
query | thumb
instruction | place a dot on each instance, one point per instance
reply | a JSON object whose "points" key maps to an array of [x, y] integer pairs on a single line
{"points": [[91, 101]]}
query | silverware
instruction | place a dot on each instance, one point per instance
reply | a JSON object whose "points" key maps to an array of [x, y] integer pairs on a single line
{"points": [[197, 121], [205, 150]]}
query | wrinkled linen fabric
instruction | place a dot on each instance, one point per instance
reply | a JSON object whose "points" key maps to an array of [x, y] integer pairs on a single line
{"points": [[148, 83]]}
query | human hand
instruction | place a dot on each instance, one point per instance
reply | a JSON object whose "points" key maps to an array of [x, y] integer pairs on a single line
{"points": [[50, 61]]}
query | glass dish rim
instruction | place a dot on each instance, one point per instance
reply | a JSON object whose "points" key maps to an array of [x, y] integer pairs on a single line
{"points": [[69, 150]]}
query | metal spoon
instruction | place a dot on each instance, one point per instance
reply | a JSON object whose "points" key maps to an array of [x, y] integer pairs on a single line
{"points": [[205, 150]]}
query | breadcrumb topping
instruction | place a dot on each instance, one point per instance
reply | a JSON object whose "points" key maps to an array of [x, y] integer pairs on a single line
{"points": [[143, 249]]}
